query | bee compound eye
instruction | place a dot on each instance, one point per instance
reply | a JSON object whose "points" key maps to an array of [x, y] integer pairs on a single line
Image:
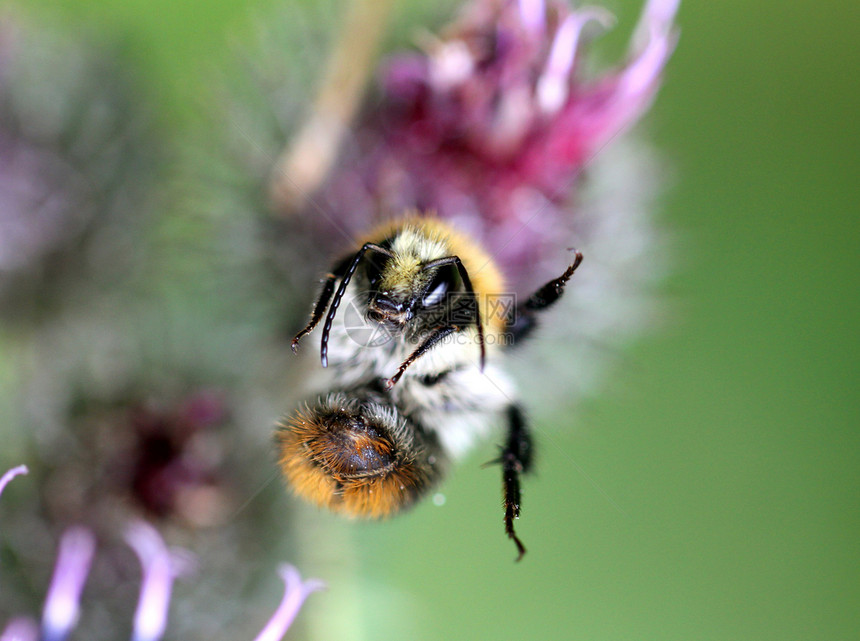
{"points": [[352, 462]]}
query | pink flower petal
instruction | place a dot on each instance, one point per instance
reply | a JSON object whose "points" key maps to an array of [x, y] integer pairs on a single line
{"points": [[62, 604], [553, 85], [657, 14], [10, 474], [21, 629], [533, 15], [641, 75], [160, 567], [619, 101]]}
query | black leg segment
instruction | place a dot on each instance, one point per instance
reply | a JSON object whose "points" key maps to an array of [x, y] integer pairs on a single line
{"points": [[319, 310], [525, 314], [516, 459], [437, 335], [335, 301], [322, 301]]}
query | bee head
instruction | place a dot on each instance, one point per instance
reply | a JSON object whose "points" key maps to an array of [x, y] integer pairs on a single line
{"points": [[410, 276]]}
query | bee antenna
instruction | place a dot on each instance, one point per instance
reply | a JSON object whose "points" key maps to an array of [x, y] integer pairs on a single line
{"points": [[335, 302]]}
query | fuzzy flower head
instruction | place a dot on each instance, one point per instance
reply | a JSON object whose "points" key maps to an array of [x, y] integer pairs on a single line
{"points": [[491, 125], [160, 566], [164, 459], [175, 463], [75, 168]]}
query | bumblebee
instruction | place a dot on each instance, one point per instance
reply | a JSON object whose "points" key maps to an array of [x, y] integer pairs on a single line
{"points": [[410, 392]]}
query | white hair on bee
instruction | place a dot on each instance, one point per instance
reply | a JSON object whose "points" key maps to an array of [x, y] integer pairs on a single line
{"points": [[412, 241], [387, 416], [338, 401]]}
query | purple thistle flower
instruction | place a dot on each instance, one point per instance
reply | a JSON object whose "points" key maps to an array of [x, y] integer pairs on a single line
{"points": [[499, 125], [170, 471], [160, 567], [158, 455], [167, 456], [295, 593], [491, 126]]}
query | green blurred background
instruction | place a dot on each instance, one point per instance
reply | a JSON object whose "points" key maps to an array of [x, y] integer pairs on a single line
{"points": [[713, 490]]}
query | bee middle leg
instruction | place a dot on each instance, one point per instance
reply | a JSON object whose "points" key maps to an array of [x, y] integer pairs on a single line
{"points": [[515, 459]]}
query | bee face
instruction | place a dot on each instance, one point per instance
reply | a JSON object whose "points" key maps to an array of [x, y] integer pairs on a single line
{"points": [[393, 312], [397, 297]]}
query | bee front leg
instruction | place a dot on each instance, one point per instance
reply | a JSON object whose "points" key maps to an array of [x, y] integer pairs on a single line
{"points": [[525, 315], [515, 459], [319, 310], [436, 335], [323, 300]]}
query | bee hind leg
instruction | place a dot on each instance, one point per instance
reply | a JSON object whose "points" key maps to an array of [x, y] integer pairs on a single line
{"points": [[515, 459]]}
